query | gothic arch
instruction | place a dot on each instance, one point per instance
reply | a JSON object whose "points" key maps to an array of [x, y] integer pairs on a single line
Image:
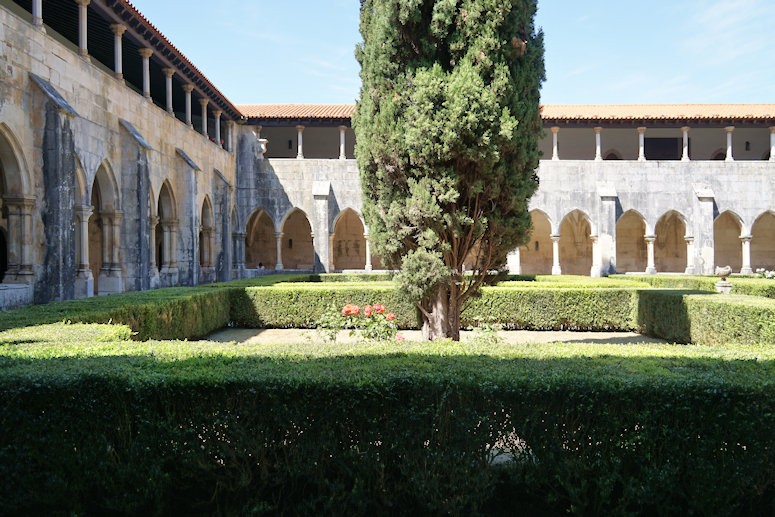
{"points": [[15, 178], [631, 248], [16, 210], [536, 255], [670, 244], [104, 229], [763, 242], [575, 243], [298, 251], [166, 229], [727, 249], [348, 243], [260, 241], [612, 154], [206, 231]]}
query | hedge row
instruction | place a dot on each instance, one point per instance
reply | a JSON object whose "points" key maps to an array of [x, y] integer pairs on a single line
{"points": [[457, 434], [740, 285]]}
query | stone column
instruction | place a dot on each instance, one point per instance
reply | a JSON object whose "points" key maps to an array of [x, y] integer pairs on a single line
{"points": [[685, 152], [187, 89], [168, 73], [218, 114], [152, 266], [19, 238], [83, 47], [702, 231], [229, 135], [650, 266], [299, 140], [598, 152], [342, 149], [279, 240], [689, 255], [115, 262], [107, 237], [146, 54], [173, 245], [239, 253], [514, 262], [641, 144], [368, 252], [37, 14], [596, 257], [728, 130], [772, 144], [165, 246], [84, 280], [118, 55], [746, 269], [606, 229], [556, 270], [204, 102], [555, 144]]}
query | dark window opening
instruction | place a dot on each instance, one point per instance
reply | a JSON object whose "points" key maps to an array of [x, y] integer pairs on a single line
{"points": [[663, 148]]}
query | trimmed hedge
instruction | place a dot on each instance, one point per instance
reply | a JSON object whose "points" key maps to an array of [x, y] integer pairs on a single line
{"points": [[448, 432], [740, 284]]}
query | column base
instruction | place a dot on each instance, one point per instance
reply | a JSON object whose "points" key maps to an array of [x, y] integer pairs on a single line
{"points": [[154, 280], [746, 271], [595, 271], [279, 267], [556, 270], [169, 276], [110, 283], [84, 284], [689, 270], [651, 271]]}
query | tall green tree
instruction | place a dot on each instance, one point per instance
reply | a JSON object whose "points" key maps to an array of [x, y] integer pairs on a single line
{"points": [[447, 129]]}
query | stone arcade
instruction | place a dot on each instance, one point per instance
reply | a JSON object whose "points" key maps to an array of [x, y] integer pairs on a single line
{"points": [[114, 179]]}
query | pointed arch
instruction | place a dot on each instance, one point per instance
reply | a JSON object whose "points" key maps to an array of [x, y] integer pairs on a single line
{"points": [[576, 243], [166, 229], [536, 255], [15, 179], [298, 251], [763, 242], [206, 231], [727, 249], [348, 250], [612, 154], [670, 244], [631, 248], [16, 208], [111, 195], [260, 241]]}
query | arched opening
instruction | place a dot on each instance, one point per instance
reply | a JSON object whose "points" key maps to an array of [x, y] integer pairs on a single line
{"points": [[631, 248], [96, 236], [536, 256], [349, 244], [719, 155], [298, 251], [670, 244], [727, 249], [260, 242], [166, 230], [16, 209], [575, 244], [763, 242], [103, 229], [612, 154], [3, 254], [206, 231]]}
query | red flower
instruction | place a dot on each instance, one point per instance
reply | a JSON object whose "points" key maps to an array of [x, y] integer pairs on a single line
{"points": [[350, 310], [379, 308], [390, 316], [367, 311], [355, 310]]}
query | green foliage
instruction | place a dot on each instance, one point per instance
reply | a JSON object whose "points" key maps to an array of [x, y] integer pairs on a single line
{"points": [[740, 284], [415, 428], [373, 322], [447, 125]]}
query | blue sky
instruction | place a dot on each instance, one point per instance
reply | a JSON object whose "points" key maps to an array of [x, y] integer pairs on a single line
{"points": [[597, 51]]}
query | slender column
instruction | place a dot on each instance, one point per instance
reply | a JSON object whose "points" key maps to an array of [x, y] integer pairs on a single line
{"points": [[218, 114], [204, 102], [146, 54], [152, 262], [118, 55], [115, 262], [650, 267], [514, 261], [746, 269], [173, 244], [229, 135], [300, 153], [168, 73], [368, 251], [772, 144], [107, 237], [728, 130], [187, 89], [555, 146], [598, 153], [689, 255], [597, 257], [556, 270], [84, 212], [165, 246], [83, 47], [240, 251], [685, 152], [279, 239], [37, 14], [641, 144], [342, 135]]}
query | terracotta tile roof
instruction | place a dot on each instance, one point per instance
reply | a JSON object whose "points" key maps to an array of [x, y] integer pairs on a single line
{"points": [[297, 111], [656, 111]]}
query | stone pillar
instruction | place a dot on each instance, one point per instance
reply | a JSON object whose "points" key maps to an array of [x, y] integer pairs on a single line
{"points": [[279, 239], [650, 265], [173, 254], [596, 260], [555, 144], [84, 279], [746, 269], [165, 246], [689, 255], [728, 130], [168, 73], [111, 279], [204, 102], [229, 135], [685, 152], [514, 262], [152, 266], [368, 252], [37, 14], [702, 231], [218, 114], [107, 237], [118, 55], [641, 144], [299, 140], [342, 149], [239, 253], [606, 230], [146, 54], [83, 47], [772, 144], [19, 237], [187, 89], [598, 152], [115, 261], [556, 270]]}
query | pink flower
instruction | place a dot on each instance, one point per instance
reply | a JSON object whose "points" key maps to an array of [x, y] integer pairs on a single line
{"points": [[399, 337], [379, 308], [390, 316], [367, 311]]}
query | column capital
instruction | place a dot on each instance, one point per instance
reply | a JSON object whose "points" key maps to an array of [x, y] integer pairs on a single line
{"points": [[746, 238], [169, 72], [597, 130], [685, 129], [772, 130], [118, 29], [555, 238], [300, 128], [217, 113], [188, 88], [649, 238], [641, 130], [278, 235], [145, 53], [729, 129], [342, 128], [689, 239], [554, 129], [83, 2], [204, 101], [84, 212]]}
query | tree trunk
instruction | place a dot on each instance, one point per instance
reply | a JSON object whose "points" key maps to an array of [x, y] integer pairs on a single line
{"points": [[437, 320]]}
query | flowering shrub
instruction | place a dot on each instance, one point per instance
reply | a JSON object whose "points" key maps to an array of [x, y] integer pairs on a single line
{"points": [[373, 321], [765, 274]]}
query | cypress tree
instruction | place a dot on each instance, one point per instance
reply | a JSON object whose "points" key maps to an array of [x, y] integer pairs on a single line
{"points": [[447, 128]]}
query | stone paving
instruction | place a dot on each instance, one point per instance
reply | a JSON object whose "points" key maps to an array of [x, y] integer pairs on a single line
{"points": [[263, 336]]}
